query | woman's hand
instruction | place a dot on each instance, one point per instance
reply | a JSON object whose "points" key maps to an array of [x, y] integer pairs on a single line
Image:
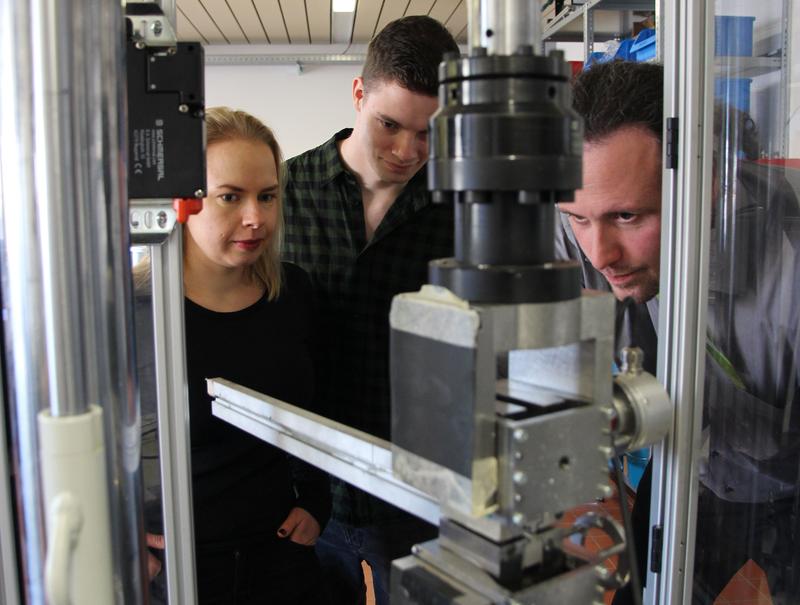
{"points": [[300, 527], [153, 564]]}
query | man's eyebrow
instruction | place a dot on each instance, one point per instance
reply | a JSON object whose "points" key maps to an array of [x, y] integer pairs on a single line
{"points": [[386, 118]]}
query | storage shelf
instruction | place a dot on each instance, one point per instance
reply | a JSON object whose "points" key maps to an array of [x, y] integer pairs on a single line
{"points": [[567, 27]]}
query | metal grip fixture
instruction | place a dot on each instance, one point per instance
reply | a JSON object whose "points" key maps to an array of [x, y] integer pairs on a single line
{"points": [[643, 408], [505, 146]]}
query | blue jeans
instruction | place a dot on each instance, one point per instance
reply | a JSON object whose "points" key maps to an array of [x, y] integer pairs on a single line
{"points": [[342, 547]]}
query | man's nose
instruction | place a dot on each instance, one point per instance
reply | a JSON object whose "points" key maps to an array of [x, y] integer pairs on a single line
{"points": [[604, 250], [405, 147]]}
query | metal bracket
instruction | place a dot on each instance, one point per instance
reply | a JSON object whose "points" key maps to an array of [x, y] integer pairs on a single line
{"points": [[671, 140], [656, 543]]}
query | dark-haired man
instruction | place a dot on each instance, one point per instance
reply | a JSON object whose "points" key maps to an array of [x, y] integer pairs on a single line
{"points": [[359, 219], [614, 225], [748, 502]]}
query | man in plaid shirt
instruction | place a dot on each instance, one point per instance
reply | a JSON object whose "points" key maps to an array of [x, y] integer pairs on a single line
{"points": [[360, 220]]}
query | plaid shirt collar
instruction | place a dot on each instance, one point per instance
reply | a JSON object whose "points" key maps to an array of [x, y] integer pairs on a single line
{"points": [[333, 167]]}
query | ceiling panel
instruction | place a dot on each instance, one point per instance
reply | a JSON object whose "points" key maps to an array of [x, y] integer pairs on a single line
{"points": [[202, 21], [367, 14], [272, 19], [249, 20], [303, 22], [294, 13], [222, 16], [442, 9], [458, 21], [391, 10], [187, 32], [319, 20], [419, 7]]}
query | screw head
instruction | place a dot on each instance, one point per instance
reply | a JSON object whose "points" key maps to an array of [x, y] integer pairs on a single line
{"points": [[518, 518], [199, 193], [161, 219], [183, 108], [157, 28], [139, 45], [520, 435], [519, 477]]}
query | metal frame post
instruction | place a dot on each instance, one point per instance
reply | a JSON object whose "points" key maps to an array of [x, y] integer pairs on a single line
{"points": [[9, 575], [686, 212], [173, 417]]}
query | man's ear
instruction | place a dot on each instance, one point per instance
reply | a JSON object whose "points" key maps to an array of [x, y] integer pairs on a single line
{"points": [[358, 93]]}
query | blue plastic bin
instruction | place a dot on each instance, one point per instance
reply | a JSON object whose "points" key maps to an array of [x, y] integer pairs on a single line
{"points": [[637, 461], [596, 57], [734, 92], [624, 50], [733, 36], [644, 45]]}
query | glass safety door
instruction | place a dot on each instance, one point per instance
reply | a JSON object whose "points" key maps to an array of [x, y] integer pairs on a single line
{"points": [[727, 483]]}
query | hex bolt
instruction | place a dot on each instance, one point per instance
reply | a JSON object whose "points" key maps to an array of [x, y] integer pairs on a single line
{"points": [[183, 108], [157, 28], [520, 478], [602, 572]]}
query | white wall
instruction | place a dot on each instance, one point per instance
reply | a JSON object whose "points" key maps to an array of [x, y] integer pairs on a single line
{"points": [[304, 110]]}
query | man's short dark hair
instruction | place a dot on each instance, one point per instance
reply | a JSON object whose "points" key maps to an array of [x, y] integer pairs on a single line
{"points": [[613, 95], [408, 51]]}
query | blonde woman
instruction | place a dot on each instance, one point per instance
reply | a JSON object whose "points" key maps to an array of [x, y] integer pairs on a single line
{"points": [[257, 511]]}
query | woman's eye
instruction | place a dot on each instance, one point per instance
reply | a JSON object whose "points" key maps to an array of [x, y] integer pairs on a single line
{"points": [[229, 197], [266, 197]]}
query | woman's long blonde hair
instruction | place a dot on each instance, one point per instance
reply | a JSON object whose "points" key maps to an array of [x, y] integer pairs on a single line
{"points": [[226, 124]]}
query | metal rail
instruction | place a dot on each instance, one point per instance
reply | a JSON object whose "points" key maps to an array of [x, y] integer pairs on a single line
{"points": [[356, 457]]}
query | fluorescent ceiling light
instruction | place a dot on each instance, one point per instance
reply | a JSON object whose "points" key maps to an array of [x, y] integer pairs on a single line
{"points": [[344, 6]]}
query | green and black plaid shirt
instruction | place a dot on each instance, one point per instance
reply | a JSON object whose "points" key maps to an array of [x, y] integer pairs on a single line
{"points": [[355, 281]]}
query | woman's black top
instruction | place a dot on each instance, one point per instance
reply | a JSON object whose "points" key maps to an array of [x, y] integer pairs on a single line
{"points": [[243, 487]]}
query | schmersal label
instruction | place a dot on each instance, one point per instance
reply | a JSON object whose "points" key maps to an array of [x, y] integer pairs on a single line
{"points": [[148, 150]]}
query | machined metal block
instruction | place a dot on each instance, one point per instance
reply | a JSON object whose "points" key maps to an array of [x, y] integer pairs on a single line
{"points": [[413, 583], [442, 380], [551, 462]]}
